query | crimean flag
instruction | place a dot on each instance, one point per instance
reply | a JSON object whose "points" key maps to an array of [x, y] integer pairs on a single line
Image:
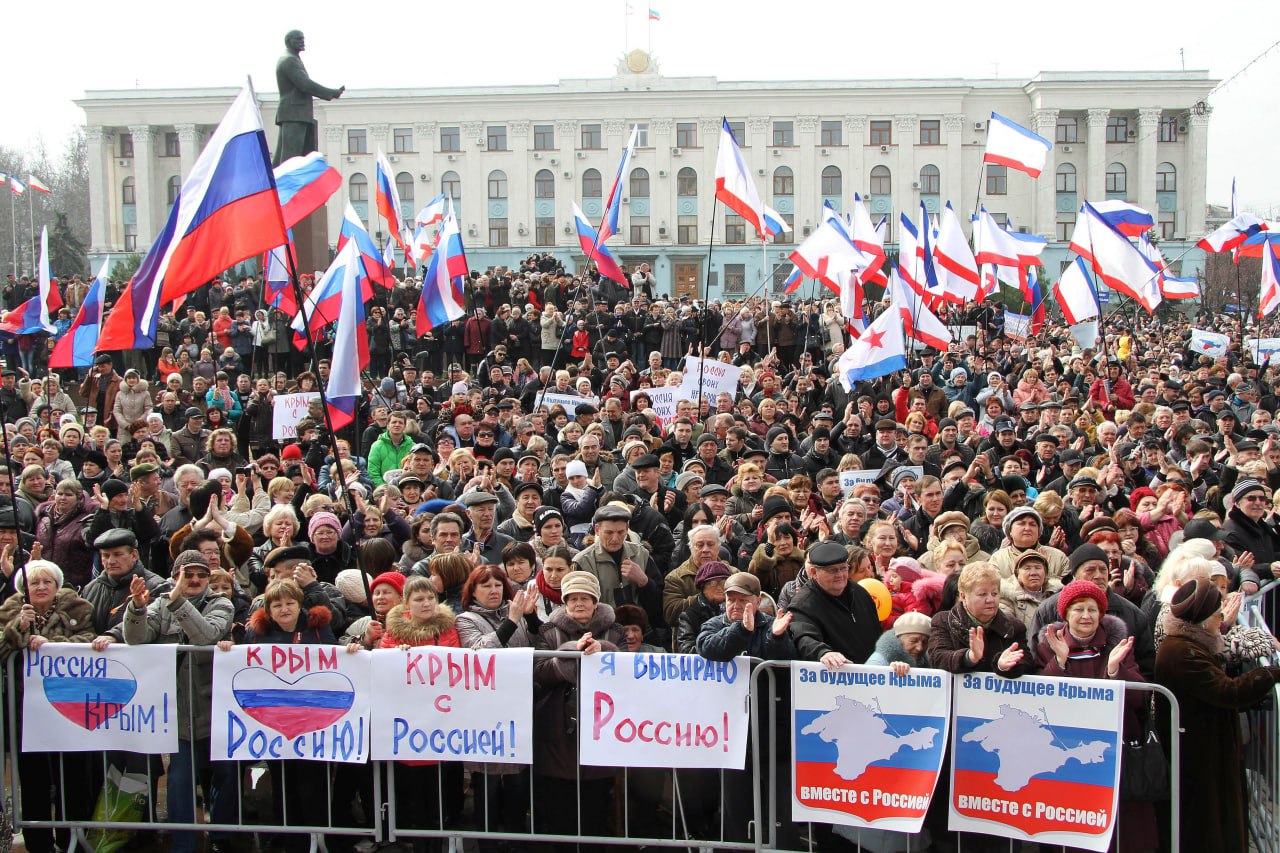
{"points": [[1010, 144], [734, 187], [37, 185]]}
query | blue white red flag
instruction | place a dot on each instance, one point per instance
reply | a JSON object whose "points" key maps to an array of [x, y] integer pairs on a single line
{"points": [[793, 282], [596, 251], [1036, 300], [16, 185], [1075, 294], [443, 282], [1269, 295], [878, 352], [1129, 219], [226, 211], [37, 313], [304, 184], [774, 223], [1010, 144], [350, 342], [278, 290], [653, 14], [387, 200], [613, 204], [75, 347], [324, 303], [370, 255], [432, 212], [734, 187]]}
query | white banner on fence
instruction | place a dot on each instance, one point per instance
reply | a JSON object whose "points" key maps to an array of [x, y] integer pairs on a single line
{"points": [[1037, 759], [716, 377], [851, 479], [867, 745], [570, 402], [287, 410], [663, 401], [292, 702], [638, 710], [79, 700], [453, 704]]}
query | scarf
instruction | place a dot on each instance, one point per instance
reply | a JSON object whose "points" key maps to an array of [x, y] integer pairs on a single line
{"points": [[547, 591]]}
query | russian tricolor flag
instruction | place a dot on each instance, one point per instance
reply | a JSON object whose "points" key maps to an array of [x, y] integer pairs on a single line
{"points": [[1129, 219], [595, 250], [774, 223], [36, 314], [279, 293], [75, 348], [613, 205], [388, 202], [441, 301], [1269, 296], [16, 185], [322, 305], [793, 282], [226, 211], [370, 255], [1010, 144], [351, 341], [304, 185], [734, 186]]}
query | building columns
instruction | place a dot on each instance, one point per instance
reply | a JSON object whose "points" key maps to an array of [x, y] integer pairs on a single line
{"points": [[1045, 218], [98, 145], [1195, 178], [144, 143], [1095, 179], [1148, 135]]}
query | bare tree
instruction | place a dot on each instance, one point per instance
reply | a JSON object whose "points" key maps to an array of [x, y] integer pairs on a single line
{"points": [[65, 211]]}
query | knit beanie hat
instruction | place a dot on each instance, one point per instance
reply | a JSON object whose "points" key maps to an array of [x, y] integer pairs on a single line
{"points": [[1196, 601], [20, 577], [348, 583], [320, 519], [1244, 487], [1018, 512], [392, 579], [1081, 589], [710, 571], [1086, 553], [1138, 494], [907, 568], [544, 514]]}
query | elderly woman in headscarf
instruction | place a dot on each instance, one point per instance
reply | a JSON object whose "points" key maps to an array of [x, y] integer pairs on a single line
{"points": [[1209, 702]]}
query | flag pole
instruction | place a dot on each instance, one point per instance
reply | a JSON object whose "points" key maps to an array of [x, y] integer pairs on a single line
{"points": [[706, 292], [31, 221], [13, 224], [13, 506]]}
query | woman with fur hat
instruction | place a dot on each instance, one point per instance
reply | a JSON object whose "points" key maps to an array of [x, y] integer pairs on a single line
{"points": [[904, 645], [1209, 703]]}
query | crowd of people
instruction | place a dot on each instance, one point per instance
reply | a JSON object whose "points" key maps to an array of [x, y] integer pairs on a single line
{"points": [[1035, 508]]}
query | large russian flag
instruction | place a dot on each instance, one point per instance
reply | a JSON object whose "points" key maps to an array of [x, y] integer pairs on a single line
{"points": [[226, 211], [323, 304], [370, 255], [36, 314], [350, 343], [441, 301], [1010, 144], [595, 250], [75, 348], [609, 225], [304, 185]]}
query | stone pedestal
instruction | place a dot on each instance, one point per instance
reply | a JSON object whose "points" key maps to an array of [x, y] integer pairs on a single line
{"points": [[311, 243]]}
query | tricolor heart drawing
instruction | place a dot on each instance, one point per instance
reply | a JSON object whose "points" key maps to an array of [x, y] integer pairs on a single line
{"points": [[91, 702], [293, 708]]}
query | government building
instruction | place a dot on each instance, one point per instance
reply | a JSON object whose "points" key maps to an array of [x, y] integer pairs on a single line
{"points": [[515, 158]]}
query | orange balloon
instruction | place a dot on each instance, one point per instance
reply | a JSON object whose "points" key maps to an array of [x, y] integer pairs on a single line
{"points": [[879, 592]]}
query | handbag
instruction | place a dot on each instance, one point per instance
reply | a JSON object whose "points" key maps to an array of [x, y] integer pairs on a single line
{"points": [[269, 335], [1144, 767]]}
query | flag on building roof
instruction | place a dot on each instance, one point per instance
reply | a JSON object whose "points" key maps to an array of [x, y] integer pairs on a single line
{"points": [[1010, 144], [38, 185], [1269, 295], [878, 352], [75, 347], [16, 185], [1129, 219], [37, 313], [226, 211], [1075, 294], [350, 342], [375, 267], [1232, 233], [613, 204], [595, 251], [653, 14], [957, 269], [441, 301], [387, 200], [304, 184], [734, 187], [918, 322]]}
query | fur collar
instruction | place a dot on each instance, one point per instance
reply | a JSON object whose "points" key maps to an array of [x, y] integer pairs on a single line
{"points": [[417, 633], [890, 648], [1211, 641], [261, 623], [601, 621]]}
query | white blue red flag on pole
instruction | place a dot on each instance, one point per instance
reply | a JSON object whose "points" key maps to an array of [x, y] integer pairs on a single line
{"points": [[774, 222], [1075, 294], [1129, 219], [1010, 144], [75, 347], [370, 255], [613, 204], [304, 184], [350, 343], [1269, 295], [37, 313], [443, 282], [16, 185], [605, 262], [734, 187], [387, 200]]}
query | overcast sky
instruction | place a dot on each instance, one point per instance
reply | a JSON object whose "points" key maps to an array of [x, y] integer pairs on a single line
{"points": [[52, 55]]}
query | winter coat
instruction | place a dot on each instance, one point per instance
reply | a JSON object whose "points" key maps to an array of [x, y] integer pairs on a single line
{"points": [[1144, 649], [1020, 604], [385, 455], [690, 623], [263, 629], [107, 596], [1213, 756], [131, 404], [614, 591], [485, 628], [678, 590], [68, 620], [722, 639], [822, 623], [200, 621], [670, 347], [555, 707], [551, 329], [93, 383], [949, 643], [1261, 540], [63, 540], [403, 630], [743, 502], [889, 650], [774, 571]]}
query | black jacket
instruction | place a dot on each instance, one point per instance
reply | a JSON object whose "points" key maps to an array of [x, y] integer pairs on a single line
{"points": [[1261, 540], [822, 623], [690, 623]]}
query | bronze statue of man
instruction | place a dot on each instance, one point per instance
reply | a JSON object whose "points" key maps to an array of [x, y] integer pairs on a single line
{"points": [[295, 116]]}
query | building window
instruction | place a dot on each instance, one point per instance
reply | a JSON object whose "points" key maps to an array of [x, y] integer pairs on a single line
{"points": [[358, 188], [1166, 178], [639, 183], [739, 130], [1118, 129], [786, 237], [784, 133], [639, 231], [402, 140], [930, 132], [1001, 219], [1166, 226], [784, 181], [832, 185], [131, 238], [1067, 130], [1117, 179], [450, 139], [498, 233], [404, 189], [881, 181], [831, 133], [544, 137], [930, 180], [1168, 129], [590, 137], [735, 229], [126, 145], [172, 188], [735, 275], [544, 231], [496, 138], [544, 184], [687, 230], [686, 182], [451, 186], [497, 186], [997, 179], [357, 141], [686, 134], [642, 134], [128, 192], [881, 133], [592, 186], [1066, 178], [172, 148], [1066, 226]]}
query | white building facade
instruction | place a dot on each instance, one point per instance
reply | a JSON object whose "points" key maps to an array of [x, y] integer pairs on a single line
{"points": [[516, 158]]}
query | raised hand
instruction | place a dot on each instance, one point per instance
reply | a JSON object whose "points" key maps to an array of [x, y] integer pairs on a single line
{"points": [[1009, 658], [977, 646], [138, 592], [1117, 656], [1057, 640], [781, 624]]}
